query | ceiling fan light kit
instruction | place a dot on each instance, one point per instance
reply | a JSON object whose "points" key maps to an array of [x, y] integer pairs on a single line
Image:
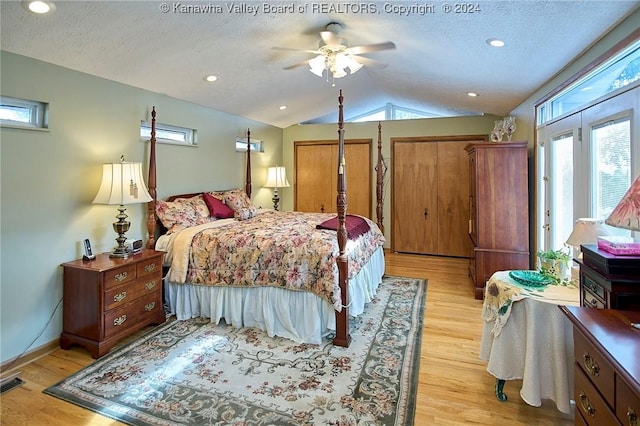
{"points": [[336, 57]]}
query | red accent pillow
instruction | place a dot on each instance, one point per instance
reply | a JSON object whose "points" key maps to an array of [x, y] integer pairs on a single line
{"points": [[216, 207]]}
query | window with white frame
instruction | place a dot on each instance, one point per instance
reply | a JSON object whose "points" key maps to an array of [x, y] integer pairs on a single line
{"points": [[29, 114], [166, 133], [254, 144]]}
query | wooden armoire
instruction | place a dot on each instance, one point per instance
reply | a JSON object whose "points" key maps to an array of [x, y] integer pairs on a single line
{"points": [[430, 195], [498, 210], [316, 174]]}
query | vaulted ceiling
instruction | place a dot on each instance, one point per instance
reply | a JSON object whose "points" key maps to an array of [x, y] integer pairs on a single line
{"points": [[441, 54]]}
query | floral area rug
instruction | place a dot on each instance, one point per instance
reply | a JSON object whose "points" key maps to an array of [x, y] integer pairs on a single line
{"points": [[197, 373]]}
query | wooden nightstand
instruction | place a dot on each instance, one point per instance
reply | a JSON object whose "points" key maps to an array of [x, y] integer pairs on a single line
{"points": [[608, 281], [106, 299]]}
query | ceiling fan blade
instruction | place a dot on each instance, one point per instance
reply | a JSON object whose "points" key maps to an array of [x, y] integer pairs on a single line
{"points": [[290, 67], [290, 49], [329, 38], [370, 62], [357, 50]]}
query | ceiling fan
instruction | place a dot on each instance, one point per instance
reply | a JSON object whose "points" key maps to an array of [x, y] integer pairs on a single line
{"points": [[335, 56]]}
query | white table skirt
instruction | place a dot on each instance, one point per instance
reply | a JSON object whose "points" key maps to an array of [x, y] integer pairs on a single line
{"points": [[534, 344]]}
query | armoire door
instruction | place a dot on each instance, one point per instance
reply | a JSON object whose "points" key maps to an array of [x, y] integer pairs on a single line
{"points": [[316, 172], [415, 197]]}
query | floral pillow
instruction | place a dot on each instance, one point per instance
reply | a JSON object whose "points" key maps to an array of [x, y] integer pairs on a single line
{"points": [[182, 213], [217, 207], [240, 203]]}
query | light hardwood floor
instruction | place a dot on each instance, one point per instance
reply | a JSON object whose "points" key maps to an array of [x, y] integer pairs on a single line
{"points": [[454, 386]]}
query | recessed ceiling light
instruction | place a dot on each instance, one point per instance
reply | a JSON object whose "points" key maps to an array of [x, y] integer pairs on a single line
{"points": [[283, 107], [211, 78], [495, 42], [39, 6], [472, 94]]}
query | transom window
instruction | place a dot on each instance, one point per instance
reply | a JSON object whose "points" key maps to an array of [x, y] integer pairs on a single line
{"points": [[16, 112], [166, 133]]}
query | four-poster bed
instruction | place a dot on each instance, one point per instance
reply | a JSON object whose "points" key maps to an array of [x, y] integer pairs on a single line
{"points": [[283, 272]]}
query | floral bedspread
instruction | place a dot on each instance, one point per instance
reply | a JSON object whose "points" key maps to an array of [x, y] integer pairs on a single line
{"points": [[271, 249]]}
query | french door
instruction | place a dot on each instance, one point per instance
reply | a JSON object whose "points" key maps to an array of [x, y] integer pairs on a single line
{"points": [[587, 162]]}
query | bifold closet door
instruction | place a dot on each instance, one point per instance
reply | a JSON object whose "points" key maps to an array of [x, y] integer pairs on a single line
{"points": [[415, 197]]}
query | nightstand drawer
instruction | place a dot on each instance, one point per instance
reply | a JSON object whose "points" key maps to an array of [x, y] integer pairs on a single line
{"points": [[627, 404], [590, 300], [594, 287], [121, 295], [119, 276], [149, 266], [590, 404], [595, 367], [122, 318]]}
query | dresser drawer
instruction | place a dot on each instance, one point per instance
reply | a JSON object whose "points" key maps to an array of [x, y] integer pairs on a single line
{"points": [[121, 295], [141, 309], [594, 366], [589, 403], [119, 276], [149, 266], [579, 420], [627, 404]]}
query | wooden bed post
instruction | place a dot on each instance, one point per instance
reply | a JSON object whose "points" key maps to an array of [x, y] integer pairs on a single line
{"points": [[151, 205], [247, 187], [343, 338], [381, 170]]}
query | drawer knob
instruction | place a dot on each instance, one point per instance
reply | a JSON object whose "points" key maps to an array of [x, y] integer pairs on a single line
{"points": [[632, 417], [120, 320], [593, 303], [150, 267], [150, 285], [591, 366], [149, 307], [120, 296], [121, 276], [586, 405]]}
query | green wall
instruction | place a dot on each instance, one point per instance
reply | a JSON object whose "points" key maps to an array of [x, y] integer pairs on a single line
{"points": [[49, 179]]}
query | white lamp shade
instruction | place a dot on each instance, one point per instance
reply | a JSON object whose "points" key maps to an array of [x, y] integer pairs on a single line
{"points": [[276, 178], [586, 231], [122, 183]]}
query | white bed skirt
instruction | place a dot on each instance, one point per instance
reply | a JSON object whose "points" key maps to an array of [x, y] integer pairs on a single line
{"points": [[277, 311]]}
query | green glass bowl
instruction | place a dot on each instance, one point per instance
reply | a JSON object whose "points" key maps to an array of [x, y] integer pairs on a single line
{"points": [[530, 278]]}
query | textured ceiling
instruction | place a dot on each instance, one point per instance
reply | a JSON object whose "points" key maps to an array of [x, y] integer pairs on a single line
{"points": [[439, 56]]}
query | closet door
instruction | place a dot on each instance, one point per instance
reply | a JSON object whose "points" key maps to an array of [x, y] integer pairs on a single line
{"points": [[415, 197], [453, 199], [316, 176], [359, 173]]}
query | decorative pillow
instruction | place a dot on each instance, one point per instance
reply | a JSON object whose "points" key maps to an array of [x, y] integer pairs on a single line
{"points": [[240, 203], [182, 213], [217, 207]]}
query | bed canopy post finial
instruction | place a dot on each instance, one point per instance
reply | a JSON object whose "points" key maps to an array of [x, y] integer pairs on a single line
{"points": [[343, 338], [381, 171], [151, 184], [247, 187]]}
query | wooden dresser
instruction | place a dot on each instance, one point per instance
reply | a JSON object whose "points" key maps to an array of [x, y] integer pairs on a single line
{"points": [[498, 210], [607, 366], [106, 299]]}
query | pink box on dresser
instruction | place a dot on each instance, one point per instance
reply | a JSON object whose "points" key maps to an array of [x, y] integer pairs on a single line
{"points": [[619, 245]]}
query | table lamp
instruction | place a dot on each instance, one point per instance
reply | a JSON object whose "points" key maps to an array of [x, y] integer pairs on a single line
{"points": [[276, 178], [586, 231], [122, 183], [626, 215]]}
